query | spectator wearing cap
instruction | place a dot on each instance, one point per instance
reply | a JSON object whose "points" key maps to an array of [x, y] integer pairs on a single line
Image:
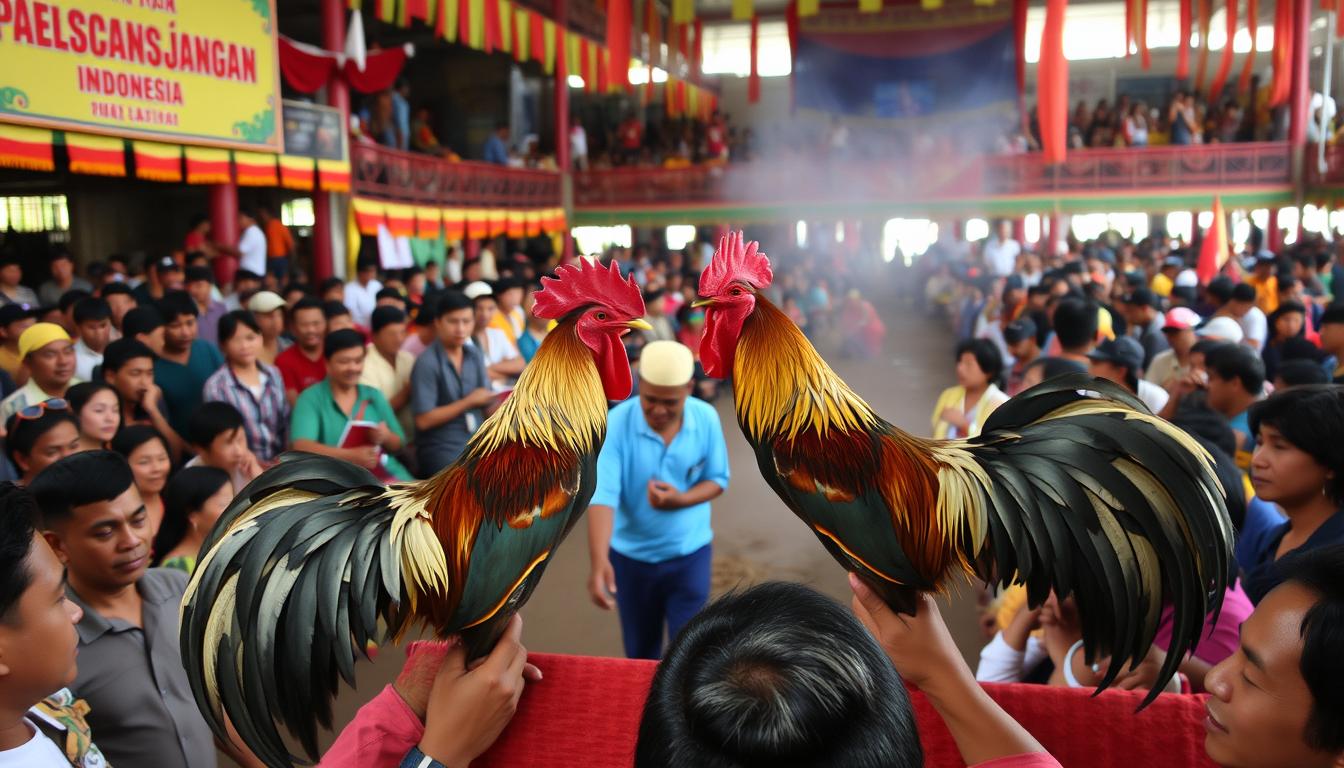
{"points": [[1236, 381], [200, 285], [1221, 328], [12, 289], [1121, 360], [387, 367], [93, 324], [163, 274], [502, 361], [48, 357], [1143, 311], [14, 320], [186, 360], [1174, 362], [251, 243], [649, 532], [324, 410], [63, 278], [1332, 340], [1023, 345], [449, 386], [1165, 279], [1242, 308], [361, 294], [1265, 281], [268, 308]]}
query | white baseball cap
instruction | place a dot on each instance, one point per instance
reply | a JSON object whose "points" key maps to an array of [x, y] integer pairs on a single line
{"points": [[1221, 329]]}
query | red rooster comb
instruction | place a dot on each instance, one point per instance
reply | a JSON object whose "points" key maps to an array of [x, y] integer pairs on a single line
{"points": [[587, 283], [735, 260]]}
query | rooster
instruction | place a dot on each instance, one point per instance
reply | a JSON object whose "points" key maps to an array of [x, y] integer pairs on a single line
{"points": [[316, 558], [1072, 486]]}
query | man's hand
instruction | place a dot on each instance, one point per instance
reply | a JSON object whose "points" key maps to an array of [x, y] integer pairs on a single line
{"points": [[381, 434], [468, 708], [954, 417], [150, 399], [365, 456], [664, 496], [480, 397], [1145, 674], [919, 646], [251, 466], [1059, 619], [423, 660], [602, 584]]}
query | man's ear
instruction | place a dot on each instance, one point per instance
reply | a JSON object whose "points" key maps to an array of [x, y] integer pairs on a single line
{"points": [[21, 463], [57, 545]]}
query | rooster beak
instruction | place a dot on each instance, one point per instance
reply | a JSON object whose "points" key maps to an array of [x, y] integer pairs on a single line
{"points": [[701, 303], [639, 325]]}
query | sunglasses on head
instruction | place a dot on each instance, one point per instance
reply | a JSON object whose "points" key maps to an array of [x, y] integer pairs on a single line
{"points": [[36, 410]]}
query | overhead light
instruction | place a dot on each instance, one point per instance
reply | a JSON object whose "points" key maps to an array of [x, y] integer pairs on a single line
{"points": [[575, 81]]}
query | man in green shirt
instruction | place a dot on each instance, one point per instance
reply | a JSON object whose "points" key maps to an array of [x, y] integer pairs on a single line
{"points": [[186, 361], [322, 411]]}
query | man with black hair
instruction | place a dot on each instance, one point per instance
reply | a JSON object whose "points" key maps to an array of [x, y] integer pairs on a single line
{"points": [[1143, 312], [38, 647], [162, 275], [251, 243], [389, 297], [145, 325], [130, 668], [63, 278], [1120, 360], [245, 284], [387, 367], [14, 320], [1075, 322], [128, 366], [302, 364], [216, 433], [185, 362], [1020, 336], [1242, 308], [66, 306], [200, 285], [121, 299], [331, 289], [324, 411], [361, 294], [338, 316], [449, 386], [1236, 380], [12, 289], [93, 323], [1332, 338]]}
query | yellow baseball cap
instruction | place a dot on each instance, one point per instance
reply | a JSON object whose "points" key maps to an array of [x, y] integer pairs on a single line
{"points": [[40, 335]]}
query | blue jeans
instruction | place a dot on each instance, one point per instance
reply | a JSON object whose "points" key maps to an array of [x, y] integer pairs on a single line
{"points": [[650, 596]]}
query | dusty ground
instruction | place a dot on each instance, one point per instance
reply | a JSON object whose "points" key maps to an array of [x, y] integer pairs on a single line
{"points": [[756, 538]]}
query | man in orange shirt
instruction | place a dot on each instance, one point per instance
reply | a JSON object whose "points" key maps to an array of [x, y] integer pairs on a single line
{"points": [[279, 244], [1265, 281]]}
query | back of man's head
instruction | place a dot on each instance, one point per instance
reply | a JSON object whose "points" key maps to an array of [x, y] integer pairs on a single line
{"points": [[1075, 323], [777, 675], [1321, 571], [80, 479], [18, 514]]}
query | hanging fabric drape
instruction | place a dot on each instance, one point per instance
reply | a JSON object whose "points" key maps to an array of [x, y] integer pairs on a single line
{"points": [[1052, 84], [1183, 45], [307, 68], [618, 42], [380, 71], [1248, 67], [1282, 56], [1205, 24], [304, 70], [754, 77], [1225, 66]]}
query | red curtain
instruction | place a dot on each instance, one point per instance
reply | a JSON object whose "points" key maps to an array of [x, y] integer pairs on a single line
{"points": [[754, 79], [380, 70], [1052, 84], [618, 41], [1252, 19], [1282, 56], [1183, 47], [1225, 66], [305, 72], [1205, 24], [1020, 42]]}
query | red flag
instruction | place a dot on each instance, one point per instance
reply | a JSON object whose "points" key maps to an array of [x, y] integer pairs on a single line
{"points": [[1183, 47], [1225, 66], [618, 42], [1252, 19], [1213, 250], [1052, 84], [754, 78], [1141, 34]]}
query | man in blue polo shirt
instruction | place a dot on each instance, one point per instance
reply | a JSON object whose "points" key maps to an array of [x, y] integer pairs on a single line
{"points": [[663, 461]]}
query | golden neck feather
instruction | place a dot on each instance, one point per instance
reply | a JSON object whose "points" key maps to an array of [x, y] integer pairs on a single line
{"points": [[782, 387], [558, 403]]}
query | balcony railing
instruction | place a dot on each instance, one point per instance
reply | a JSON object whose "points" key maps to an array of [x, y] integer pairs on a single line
{"points": [[802, 181], [1334, 166], [415, 178]]}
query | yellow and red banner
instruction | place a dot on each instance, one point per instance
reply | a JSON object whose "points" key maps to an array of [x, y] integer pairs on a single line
{"points": [[157, 162], [296, 172], [499, 222], [400, 219], [532, 223], [517, 226], [478, 224], [454, 223], [428, 222], [96, 155], [333, 175], [255, 169], [198, 71], [208, 166], [368, 214], [26, 148]]}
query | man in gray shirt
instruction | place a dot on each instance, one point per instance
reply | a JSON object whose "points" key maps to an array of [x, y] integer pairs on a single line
{"points": [[130, 670], [449, 386]]}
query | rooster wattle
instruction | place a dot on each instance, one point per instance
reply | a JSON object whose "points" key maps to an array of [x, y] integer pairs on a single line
{"points": [[1072, 486], [315, 558]]}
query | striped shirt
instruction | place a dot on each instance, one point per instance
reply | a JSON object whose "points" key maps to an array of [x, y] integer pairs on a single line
{"points": [[265, 417]]}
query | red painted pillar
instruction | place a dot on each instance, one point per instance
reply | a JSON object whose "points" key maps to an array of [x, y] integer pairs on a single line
{"points": [[562, 158], [338, 95], [1057, 234], [1272, 231], [1299, 100], [1020, 229], [958, 229], [224, 228]]}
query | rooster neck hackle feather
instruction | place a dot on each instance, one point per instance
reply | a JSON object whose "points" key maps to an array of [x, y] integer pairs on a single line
{"points": [[783, 388]]}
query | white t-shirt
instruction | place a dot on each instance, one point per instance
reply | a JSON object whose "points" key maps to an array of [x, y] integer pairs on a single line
{"points": [[360, 300], [1256, 327], [37, 752], [1153, 396], [252, 250], [1001, 256]]}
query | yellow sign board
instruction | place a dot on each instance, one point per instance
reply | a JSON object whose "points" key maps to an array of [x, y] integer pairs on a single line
{"points": [[195, 71]]}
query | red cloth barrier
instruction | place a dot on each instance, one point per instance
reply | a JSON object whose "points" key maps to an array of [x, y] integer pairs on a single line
{"points": [[586, 712]]}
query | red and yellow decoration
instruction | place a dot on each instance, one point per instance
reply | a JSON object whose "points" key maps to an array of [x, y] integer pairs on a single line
{"points": [[430, 222], [254, 169], [157, 162], [96, 155], [208, 166], [333, 175], [296, 172], [26, 148]]}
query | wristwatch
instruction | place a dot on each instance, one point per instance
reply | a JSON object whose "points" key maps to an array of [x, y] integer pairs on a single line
{"points": [[417, 759]]}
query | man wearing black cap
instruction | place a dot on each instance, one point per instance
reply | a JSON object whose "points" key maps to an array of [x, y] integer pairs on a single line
{"points": [[162, 275], [1020, 336], [1143, 311], [1121, 360], [12, 290], [1265, 282]]}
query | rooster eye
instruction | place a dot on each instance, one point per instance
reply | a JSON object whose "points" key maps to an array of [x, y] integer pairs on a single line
{"points": [[736, 292], [601, 315]]}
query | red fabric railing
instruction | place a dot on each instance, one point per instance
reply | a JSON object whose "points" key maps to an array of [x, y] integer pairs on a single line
{"points": [[586, 711], [389, 174]]}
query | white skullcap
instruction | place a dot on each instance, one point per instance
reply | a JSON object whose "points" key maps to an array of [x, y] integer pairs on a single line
{"points": [[477, 289], [666, 364]]}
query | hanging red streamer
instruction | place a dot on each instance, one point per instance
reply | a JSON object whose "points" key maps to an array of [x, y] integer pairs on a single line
{"points": [[1020, 44], [305, 72], [1205, 24], [1252, 20], [697, 53], [1225, 66], [464, 20], [618, 42], [791, 23], [1183, 47], [1052, 84], [1282, 56], [536, 36], [754, 78], [494, 35], [417, 9], [1141, 34], [380, 70]]}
